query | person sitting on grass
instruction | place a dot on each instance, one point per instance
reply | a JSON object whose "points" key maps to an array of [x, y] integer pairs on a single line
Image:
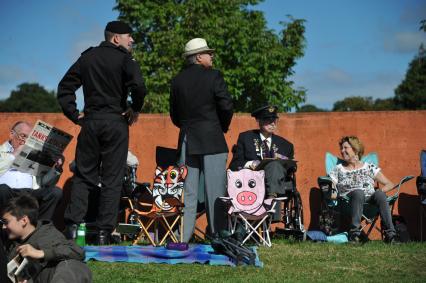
{"points": [[51, 258]]}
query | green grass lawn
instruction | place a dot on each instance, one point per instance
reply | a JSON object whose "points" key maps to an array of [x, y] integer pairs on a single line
{"points": [[291, 262]]}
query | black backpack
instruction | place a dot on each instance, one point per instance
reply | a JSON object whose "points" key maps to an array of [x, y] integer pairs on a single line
{"points": [[400, 225]]}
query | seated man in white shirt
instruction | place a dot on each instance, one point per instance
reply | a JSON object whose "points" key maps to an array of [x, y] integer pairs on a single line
{"points": [[256, 145], [13, 183]]}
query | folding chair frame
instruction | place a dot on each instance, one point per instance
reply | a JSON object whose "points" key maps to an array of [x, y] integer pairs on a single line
{"points": [[257, 227], [158, 217], [365, 219]]}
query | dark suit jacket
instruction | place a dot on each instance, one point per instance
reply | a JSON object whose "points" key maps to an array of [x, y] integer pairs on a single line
{"points": [[246, 149], [202, 108]]}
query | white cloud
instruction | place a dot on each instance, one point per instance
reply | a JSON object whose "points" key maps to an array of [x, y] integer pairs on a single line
{"points": [[404, 42], [92, 37], [338, 76], [326, 87]]}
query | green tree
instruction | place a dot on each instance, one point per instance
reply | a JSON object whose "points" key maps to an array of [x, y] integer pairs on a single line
{"points": [[310, 108], [385, 104], [354, 103], [30, 97], [411, 93], [256, 61]]}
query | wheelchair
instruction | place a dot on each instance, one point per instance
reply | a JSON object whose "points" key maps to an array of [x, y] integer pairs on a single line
{"points": [[291, 209]]}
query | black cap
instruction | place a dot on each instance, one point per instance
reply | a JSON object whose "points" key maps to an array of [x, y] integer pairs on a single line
{"points": [[118, 27], [265, 112]]}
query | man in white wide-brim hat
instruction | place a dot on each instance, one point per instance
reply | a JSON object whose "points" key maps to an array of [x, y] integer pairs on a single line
{"points": [[201, 106]]}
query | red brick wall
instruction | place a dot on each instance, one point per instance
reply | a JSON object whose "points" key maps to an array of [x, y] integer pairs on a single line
{"points": [[397, 137]]}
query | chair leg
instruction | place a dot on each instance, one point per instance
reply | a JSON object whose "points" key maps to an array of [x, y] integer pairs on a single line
{"points": [[144, 231], [169, 229]]}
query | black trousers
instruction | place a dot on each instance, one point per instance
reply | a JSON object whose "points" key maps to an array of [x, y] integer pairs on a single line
{"points": [[3, 259], [48, 198], [275, 175], [101, 143]]}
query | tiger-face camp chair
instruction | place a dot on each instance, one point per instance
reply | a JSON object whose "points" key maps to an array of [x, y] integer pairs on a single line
{"points": [[341, 205], [248, 206], [165, 210]]}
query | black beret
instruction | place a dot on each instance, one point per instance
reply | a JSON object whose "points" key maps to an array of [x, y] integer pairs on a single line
{"points": [[265, 112], [118, 27]]}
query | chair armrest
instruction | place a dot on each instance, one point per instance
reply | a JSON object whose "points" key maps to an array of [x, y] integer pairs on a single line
{"points": [[398, 186], [324, 181], [226, 199]]}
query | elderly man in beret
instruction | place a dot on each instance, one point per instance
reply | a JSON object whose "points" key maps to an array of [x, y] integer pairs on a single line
{"points": [[262, 143], [201, 107], [107, 73]]}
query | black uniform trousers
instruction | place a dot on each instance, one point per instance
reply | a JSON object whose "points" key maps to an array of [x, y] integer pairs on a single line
{"points": [[47, 198], [3, 259], [101, 142]]}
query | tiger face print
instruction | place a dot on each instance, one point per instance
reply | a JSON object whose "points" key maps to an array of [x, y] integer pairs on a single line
{"points": [[168, 183]]}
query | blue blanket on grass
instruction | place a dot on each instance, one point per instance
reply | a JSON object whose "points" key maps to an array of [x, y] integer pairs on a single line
{"points": [[203, 254]]}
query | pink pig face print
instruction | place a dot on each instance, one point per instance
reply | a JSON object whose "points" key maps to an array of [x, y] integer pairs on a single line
{"points": [[246, 188]]}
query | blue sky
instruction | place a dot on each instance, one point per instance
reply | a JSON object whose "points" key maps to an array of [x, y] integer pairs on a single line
{"points": [[358, 47]]}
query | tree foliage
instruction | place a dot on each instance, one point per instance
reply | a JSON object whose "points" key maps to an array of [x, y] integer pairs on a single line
{"points": [[361, 103], [354, 103], [310, 108], [256, 61], [30, 97], [411, 93]]}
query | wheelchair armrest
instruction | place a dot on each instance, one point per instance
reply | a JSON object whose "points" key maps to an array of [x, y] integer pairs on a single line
{"points": [[279, 198]]}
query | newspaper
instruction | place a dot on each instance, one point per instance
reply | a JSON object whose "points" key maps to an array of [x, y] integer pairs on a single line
{"points": [[15, 268], [43, 148]]}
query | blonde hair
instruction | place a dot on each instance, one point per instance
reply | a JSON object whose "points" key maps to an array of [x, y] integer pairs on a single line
{"points": [[355, 143]]}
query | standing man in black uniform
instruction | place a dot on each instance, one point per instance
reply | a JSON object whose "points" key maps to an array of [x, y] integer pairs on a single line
{"points": [[107, 73], [201, 106]]}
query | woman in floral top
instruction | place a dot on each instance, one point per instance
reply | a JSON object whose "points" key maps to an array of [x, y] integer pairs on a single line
{"points": [[356, 180]]}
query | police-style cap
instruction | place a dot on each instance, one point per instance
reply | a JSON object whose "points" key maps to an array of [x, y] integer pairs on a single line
{"points": [[118, 27], [265, 112]]}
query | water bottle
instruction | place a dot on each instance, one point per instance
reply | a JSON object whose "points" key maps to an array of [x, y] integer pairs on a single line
{"points": [[81, 235]]}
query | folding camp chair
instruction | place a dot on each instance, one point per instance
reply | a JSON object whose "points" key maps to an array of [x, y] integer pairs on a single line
{"points": [[165, 209], [341, 205], [421, 190], [247, 206]]}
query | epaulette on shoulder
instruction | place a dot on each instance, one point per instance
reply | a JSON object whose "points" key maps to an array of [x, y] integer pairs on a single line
{"points": [[86, 50]]}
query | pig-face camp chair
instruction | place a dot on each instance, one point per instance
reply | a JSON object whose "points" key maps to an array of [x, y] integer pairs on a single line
{"points": [[248, 206]]}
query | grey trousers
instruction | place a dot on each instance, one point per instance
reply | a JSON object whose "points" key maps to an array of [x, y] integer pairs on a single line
{"points": [[66, 271], [214, 168], [357, 200]]}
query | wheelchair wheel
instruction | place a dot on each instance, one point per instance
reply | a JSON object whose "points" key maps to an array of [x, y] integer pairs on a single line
{"points": [[292, 213], [297, 212]]}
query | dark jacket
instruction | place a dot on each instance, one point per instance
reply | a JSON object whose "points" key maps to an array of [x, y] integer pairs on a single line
{"points": [[107, 73], [202, 108], [54, 245], [248, 149]]}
